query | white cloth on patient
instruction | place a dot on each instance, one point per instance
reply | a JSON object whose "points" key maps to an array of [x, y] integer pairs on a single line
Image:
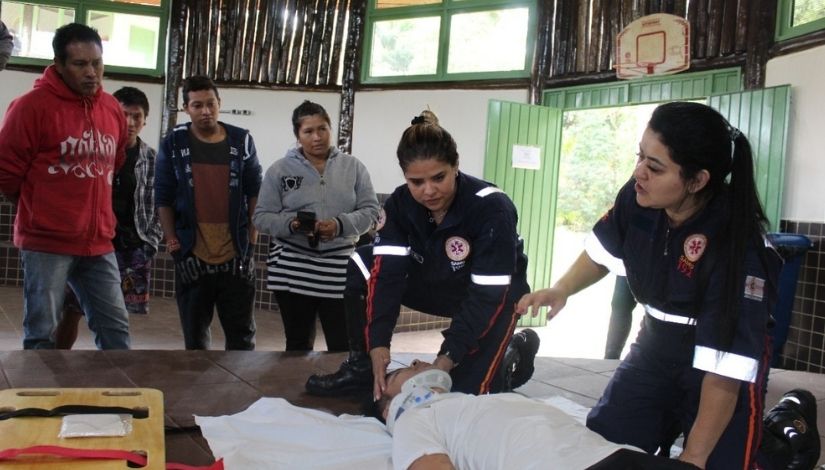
{"points": [[273, 434], [498, 431]]}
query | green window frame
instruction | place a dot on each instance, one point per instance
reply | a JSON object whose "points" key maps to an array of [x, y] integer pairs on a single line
{"points": [[444, 11], [82, 14], [785, 27]]}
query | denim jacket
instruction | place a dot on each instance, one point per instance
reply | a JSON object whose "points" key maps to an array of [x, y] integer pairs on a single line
{"points": [[174, 185]]}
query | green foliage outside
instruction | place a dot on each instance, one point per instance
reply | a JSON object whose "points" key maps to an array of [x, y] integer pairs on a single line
{"points": [[598, 155], [805, 11]]}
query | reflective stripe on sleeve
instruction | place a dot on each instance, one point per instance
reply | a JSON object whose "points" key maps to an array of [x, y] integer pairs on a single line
{"points": [[391, 250], [596, 251], [669, 317], [488, 191], [730, 365], [356, 258], [490, 280]]}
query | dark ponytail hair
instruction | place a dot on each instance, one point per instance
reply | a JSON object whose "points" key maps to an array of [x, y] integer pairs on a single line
{"points": [[699, 138], [425, 140]]}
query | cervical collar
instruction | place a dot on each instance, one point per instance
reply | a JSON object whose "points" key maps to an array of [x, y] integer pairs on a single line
{"points": [[418, 390]]}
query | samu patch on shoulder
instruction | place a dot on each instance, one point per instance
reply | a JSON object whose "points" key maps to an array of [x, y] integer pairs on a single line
{"points": [[754, 288], [695, 247]]}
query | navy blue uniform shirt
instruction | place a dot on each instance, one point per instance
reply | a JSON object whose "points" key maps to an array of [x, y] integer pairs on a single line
{"points": [[471, 267], [678, 274]]}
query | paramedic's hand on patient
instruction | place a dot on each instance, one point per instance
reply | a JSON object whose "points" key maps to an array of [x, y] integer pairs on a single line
{"points": [[444, 363], [380, 360], [553, 297]]}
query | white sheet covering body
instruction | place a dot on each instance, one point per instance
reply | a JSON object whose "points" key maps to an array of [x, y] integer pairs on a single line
{"points": [[499, 431], [272, 434]]}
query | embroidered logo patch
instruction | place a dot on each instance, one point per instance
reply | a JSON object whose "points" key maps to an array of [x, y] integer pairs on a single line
{"points": [[291, 183], [695, 246], [457, 248], [754, 288]]}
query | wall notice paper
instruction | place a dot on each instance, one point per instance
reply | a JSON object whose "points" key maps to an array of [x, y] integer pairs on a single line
{"points": [[528, 158]]}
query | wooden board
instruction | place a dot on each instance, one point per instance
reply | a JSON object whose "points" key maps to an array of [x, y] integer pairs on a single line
{"points": [[147, 434]]}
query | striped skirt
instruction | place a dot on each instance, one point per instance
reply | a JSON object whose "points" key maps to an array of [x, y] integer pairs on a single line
{"points": [[309, 272]]}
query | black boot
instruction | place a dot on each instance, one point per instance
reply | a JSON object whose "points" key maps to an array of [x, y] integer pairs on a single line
{"points": [[517, 366], [355, 373], [790, 428]]}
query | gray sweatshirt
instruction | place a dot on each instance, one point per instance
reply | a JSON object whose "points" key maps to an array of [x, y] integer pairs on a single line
{"points": [[6, 45], [292, 184]]}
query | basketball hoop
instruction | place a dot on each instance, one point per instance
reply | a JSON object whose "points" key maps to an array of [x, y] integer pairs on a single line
{"points": [[656, 44]]}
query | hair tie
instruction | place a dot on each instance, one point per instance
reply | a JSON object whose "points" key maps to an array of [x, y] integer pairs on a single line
{"points": [[418, 120], [734, 134]]}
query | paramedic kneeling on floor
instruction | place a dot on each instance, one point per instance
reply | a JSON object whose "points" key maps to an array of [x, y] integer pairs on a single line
{"points": [[448, 247], [692, 243]]}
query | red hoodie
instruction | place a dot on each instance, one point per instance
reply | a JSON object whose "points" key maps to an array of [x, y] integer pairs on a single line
{"points": [[58, 155]]}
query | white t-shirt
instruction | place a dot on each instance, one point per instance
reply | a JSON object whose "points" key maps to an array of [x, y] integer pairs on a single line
{"points": [[494, 432]]}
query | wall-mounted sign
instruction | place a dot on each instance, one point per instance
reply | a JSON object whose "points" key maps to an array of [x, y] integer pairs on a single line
{"points": [[656, 44], [526, 157]]}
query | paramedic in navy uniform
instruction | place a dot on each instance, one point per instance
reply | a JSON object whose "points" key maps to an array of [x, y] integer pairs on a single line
{"points": [[693, 247], [448, 247]]}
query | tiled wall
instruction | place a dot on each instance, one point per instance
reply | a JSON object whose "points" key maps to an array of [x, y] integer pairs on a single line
{"points": [[805, 347], [163, 275]]}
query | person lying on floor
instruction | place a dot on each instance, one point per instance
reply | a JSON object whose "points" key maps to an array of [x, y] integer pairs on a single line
{"points": [[434, 429], [431, 427]]}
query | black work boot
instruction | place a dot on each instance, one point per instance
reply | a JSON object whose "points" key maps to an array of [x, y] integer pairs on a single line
{"points": [[355, 373], [517, 366], [793, 421]]}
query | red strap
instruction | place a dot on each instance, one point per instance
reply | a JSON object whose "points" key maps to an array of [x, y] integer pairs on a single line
{"points": [[218, 465], [100, 454]]}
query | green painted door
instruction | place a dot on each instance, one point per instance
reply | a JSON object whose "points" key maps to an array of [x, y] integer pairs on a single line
{"points": [[532, 129], [762, 115]]}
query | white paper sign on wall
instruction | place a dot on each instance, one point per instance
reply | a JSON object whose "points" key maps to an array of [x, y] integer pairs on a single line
{"points": [[526, 157]]}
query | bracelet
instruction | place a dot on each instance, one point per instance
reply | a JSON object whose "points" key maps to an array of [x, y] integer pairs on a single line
{"points": [[172, 244]]}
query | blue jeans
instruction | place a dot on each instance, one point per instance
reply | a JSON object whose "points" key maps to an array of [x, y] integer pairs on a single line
{"points": [[95, 280]]}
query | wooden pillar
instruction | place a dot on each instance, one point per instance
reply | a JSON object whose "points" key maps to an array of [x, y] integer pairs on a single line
{"points": [[761, 26], [543, 50], [174, 65], [352, 67]]}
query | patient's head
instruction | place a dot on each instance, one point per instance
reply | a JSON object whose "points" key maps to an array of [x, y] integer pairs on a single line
{"points": [[412, 386]]}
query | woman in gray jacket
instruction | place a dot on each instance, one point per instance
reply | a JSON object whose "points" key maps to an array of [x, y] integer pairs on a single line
{"points": [[314, 203]]}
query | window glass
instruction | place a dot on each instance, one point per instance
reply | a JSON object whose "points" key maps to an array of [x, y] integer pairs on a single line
{"points": [[154, 3], [405, 47], [488, 41], [806, 11], [128, 40], [33, 27], [441, 40]]}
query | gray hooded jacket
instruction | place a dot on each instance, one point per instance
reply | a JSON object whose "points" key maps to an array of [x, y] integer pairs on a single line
{"points": [[292, 184]]}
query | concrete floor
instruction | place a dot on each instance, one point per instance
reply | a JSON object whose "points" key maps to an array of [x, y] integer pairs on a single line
{"points": [[581, 380]]}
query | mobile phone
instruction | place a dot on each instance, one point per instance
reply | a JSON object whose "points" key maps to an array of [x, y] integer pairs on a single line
{"points": [[306, 220]]}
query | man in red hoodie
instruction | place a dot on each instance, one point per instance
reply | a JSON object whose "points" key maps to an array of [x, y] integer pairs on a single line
{"points": [[60, 146]]}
